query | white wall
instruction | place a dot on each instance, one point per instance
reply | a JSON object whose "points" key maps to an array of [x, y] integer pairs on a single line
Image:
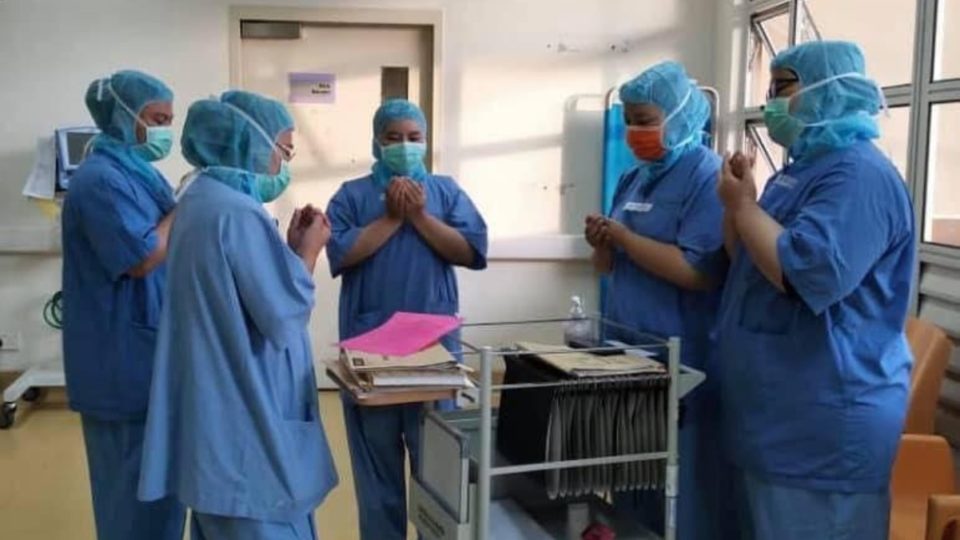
{"points": [[511, 69]]}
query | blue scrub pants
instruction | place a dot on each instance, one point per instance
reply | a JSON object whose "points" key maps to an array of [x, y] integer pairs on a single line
{"points": [[786, 513], [210, 527], [113, 457], [379, 437]]}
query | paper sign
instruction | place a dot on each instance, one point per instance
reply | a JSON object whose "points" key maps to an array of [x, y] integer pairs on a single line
{"points": [[313, 87], [404, 334], [43, 176]]}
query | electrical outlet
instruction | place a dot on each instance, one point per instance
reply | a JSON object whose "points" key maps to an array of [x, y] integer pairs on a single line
{"points": [[9, 341]]}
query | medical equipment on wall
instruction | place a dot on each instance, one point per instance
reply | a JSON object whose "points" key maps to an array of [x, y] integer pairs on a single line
{"points": [[56, 159], [72, 147], [545, 463]]}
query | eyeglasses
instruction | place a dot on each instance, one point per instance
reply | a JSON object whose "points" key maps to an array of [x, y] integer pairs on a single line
{"points": [[779, 85], [287, 152]]}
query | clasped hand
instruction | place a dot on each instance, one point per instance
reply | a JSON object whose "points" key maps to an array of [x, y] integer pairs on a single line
{"points": [[603, 232], [736, 186], [309, 231], [406, 199]]}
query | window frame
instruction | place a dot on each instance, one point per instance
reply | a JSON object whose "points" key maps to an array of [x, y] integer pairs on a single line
{"points": [[756, 19], [938, 12], [920, 94], [928, 92]]}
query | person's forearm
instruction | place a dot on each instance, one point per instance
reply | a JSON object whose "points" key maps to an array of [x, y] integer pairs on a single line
{"points": [[444, 239], [159, 253], [730, 239], [309, 260], [602, 259], [371, 239], [758, 233], [663, 260]]}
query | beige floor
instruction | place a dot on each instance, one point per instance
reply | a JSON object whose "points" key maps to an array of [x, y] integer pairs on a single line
{"points": [[45, 495]]}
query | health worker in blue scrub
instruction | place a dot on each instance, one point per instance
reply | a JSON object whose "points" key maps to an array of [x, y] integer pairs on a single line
{"points": [[116, 220], [234, 430], [657, 247], [398, 233], [815, 364]]}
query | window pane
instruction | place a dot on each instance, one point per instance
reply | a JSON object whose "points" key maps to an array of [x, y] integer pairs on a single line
{"points": [[768, 155], [882, 28], [895, 136], [768, 36], [947, 65], [942, 209]]}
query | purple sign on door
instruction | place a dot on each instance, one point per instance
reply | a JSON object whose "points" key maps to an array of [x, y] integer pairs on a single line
{"points": [[313, 87]]}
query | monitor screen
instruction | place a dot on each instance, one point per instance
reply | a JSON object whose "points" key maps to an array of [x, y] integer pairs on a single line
{"points": [[76, 146]]}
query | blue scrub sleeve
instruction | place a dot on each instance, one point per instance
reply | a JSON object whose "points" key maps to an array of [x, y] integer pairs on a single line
{"points": [[274, 287], [344, 230], [839, 234], [121, 232], [701, 228], [466, 219]]}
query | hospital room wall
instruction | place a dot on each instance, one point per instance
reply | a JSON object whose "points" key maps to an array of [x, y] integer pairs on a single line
{"points": [[521, 87]]}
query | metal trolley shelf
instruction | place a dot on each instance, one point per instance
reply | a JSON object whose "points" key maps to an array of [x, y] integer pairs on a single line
{"points": [[464, 490]]}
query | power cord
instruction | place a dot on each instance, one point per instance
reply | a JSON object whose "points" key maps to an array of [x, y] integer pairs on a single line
{"points": [[53, 311]]}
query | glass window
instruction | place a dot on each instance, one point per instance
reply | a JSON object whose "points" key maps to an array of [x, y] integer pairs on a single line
{"points": [[947, 58], [768, 156], [769, 35], [883, 28], [942, 209], [895, 137]]}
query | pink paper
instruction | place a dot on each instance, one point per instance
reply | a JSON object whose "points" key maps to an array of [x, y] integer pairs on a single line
{"points": [[404, 334]]}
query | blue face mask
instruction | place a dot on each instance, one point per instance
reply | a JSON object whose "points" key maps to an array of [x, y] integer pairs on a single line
{"points": [[158, 144], [270, 186], [403, 158], [783, 128]]}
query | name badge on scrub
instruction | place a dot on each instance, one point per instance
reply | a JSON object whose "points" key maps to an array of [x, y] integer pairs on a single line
{"points": [[638, 207]]}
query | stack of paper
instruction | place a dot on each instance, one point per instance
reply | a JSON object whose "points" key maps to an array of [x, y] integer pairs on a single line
{"points": [[433, 366], [405, 352], [404, 334], [581, 364]]}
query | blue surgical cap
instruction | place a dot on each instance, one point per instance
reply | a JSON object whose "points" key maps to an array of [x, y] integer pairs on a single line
{"points": [[136, 89], [666, 85], [225, 133], [845, 107], [394, 110]]}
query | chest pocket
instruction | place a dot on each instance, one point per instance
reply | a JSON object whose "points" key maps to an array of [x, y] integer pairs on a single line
{"points": [[656, 219]]}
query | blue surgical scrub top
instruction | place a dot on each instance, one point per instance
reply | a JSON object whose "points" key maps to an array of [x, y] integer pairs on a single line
{"points": [[233, 427], [681, 208], [110, 319], [405, 274], [815, 381]]}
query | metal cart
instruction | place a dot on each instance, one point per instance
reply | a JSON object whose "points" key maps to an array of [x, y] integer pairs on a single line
{"points": [[459, 491]]}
